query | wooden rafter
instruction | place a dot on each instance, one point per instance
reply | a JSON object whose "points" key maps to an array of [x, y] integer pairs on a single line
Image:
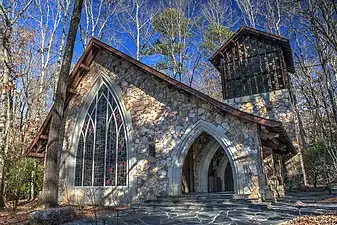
{"points": [[35, 154], [84, 67]]}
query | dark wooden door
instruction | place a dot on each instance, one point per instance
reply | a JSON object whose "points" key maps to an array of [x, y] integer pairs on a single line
{"points": [[229, 184], [187, 179]]}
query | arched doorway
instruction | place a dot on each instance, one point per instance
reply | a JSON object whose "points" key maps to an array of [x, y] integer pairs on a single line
{"points": [[189, 181], [220, 174], [206, 167], [180, 151]]}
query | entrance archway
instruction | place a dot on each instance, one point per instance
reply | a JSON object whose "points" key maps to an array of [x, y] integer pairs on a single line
{"points": [[204, 167], [180, 152]]}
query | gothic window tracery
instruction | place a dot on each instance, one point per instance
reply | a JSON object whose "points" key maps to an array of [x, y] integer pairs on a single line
{"points": [[101, 158]]}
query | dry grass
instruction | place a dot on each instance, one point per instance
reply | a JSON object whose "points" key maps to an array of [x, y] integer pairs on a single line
{"points": [[313, 220]]}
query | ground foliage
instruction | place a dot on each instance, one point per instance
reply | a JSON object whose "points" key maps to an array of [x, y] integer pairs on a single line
{"points": [[21, 215], [24, 180], [319, 165], [313, 220]]}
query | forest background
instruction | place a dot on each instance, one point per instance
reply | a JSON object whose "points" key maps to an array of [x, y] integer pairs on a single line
{"points": [[174, 36]]}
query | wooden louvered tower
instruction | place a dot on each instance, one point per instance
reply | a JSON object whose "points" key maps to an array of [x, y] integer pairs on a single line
{"points": [[253, 62], [255, 68]]}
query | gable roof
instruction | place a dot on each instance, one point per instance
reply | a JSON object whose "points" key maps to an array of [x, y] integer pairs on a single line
{"points": [[283, 42], [83, 66]]}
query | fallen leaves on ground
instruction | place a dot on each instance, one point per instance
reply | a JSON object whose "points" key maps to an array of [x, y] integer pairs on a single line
{"points": [[91, 211], [313, 220], [20, 216]]}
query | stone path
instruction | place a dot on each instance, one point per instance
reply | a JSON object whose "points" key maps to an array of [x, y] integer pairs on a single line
{"points": [[239, 216], [193, 211]]}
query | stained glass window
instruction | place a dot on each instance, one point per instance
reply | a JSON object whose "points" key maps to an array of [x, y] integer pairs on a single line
{"points": [[101, 158]]}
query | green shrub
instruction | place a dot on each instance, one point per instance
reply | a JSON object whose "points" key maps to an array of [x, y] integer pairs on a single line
{"points": [[318, 165], [20, 177]]}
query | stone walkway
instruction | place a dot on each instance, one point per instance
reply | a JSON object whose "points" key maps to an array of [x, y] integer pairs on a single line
{"points": [[240, 216], [226, 213], [234, 215]]}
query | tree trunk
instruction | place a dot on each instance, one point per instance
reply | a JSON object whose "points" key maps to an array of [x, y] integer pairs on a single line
{"points": [[55, 139], [32, 185], [6, 100], [138, 32], [63, 40]]}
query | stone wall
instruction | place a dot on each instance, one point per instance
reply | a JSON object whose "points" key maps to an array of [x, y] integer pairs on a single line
{"points": [[273, 174], [276, 105], [293, 171], [160, 112]]}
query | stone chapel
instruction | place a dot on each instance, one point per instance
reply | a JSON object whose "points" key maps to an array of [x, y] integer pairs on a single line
{"points": [[133, 133]]}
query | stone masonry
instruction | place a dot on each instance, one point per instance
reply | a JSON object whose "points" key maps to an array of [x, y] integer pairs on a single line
{"points": [[276, 105], [160, 113]]}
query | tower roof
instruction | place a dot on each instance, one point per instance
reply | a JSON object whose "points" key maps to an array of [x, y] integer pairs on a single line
{"points": [[283, 42]]}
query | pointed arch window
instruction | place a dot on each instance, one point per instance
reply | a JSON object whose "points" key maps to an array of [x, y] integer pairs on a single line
{"points": [[101, 158]]}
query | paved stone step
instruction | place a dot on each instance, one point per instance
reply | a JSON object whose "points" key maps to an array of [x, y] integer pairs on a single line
{"points": [[197, 202], [301, 212], [206, 197], [194, 197], [215, 195], [294, 210], [304, 210], [174, 209], [187, 204], [327, 206], [191, 200], [199, 205], [207, 194], [252, 208]]}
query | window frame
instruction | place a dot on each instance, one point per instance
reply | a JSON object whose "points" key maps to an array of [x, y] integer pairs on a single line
{"points": [[88, 101]]}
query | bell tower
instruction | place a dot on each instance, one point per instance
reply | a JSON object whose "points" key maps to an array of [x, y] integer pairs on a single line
{"points": [[254, 68], [253, 62]]}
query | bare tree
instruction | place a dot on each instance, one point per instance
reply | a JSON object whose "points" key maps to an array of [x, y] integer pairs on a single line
{"points": [[65, 5], [272, 16], [55, 139], [98, 20], [313, 26], [48, 16], [249, 10], [10, 14], [136, 21]]}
